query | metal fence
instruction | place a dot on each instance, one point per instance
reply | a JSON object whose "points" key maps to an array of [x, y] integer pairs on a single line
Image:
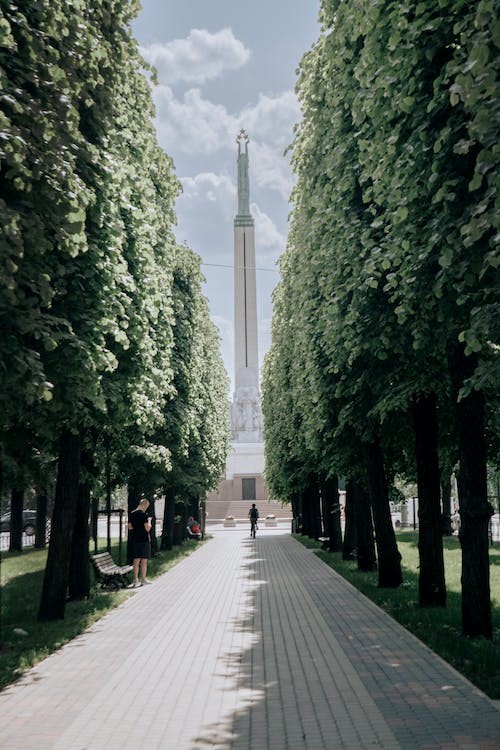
{"points": [[117, 526], [28, 540]]}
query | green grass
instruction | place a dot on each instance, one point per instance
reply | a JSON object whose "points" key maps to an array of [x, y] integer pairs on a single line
{"points": [[440, 628], [21, 584]]}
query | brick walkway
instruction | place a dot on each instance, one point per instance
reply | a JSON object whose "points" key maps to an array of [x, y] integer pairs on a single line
{"points": [[246, 645]]}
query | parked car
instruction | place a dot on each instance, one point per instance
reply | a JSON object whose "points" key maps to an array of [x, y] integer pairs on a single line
{"points": [[29, 521], [455, 523]]}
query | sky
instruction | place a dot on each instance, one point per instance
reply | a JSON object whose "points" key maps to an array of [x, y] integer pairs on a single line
{"points": [[223, 66]]}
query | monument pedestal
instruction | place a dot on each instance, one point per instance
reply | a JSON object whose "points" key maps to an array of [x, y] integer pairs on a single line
{"points": [[245, 459]]}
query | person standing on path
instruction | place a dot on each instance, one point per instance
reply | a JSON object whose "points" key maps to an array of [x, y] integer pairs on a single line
{"points": [[140, 526]]}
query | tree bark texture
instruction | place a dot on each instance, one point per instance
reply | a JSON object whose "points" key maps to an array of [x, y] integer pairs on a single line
{"points": [[389, 559], [203, 517], [167, 534], [312, 500], [475, 510], [331, 513], [79, 573], [366, 556], [431, 580], [349, 546], [306, 525], [151, 511], [16, 519], [55, 582], [326, 500], [446, 503], [296, 503], [180, 522], [42, 503]]}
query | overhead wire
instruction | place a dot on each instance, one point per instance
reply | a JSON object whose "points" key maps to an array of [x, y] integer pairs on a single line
{"points": [[248, 268]]}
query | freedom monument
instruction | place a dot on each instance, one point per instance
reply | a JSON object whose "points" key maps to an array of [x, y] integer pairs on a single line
{"points": [[243, 480]]}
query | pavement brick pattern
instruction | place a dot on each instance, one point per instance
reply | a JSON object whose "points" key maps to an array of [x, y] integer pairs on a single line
{"points": [[246, 645]]}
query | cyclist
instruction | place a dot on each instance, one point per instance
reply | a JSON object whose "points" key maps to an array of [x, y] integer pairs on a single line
{"points": [[253, 515]]}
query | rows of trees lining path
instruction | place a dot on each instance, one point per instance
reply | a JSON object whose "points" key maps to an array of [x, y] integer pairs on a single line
{"points": [[110, 367], [384, 357]]}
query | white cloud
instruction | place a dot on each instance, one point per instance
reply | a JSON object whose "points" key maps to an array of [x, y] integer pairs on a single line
{"points": [[272, 169], [271, 120], [209, 186], [205, 211], [198, 58], [193, 125], [270, 243], [208, 202]]}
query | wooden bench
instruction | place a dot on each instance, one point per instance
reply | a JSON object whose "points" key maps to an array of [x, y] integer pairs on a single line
{"points": [[108, 572]]}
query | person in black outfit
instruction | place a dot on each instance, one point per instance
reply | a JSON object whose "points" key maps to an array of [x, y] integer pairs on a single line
{"points": [[253, 515], [140, 525]]}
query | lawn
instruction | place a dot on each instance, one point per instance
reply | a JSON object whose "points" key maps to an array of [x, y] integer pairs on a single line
{"points": [[439, 628], [21, 584]]}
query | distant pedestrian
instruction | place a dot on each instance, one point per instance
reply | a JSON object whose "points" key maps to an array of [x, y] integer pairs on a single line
{"points": [[253, 515], [139, 525]]}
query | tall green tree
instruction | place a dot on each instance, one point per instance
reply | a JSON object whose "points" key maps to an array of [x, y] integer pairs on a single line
{"points": [[88, 208], [196, 425], [390, 277]]}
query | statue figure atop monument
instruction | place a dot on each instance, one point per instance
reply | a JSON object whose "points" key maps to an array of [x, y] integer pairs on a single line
{"points": [[242, 139]]}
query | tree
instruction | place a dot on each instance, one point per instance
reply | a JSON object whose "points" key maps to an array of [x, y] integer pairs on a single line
{"points": [[431, 167], [389, 287], [90, 228], [196, 425]]}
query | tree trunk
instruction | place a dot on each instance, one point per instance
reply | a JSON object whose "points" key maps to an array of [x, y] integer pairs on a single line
{"points": [[16, 520], [367, 559], [180, 522], [2, 472], [295, 500], [431, 582], [167, 534], [42, 502], [133, 500], [306, 525], [152, 534], [475, 510], [326, 499], [203, 517], [312, 501], [55, 582], [331, 513], [79, 574], [350, 531], [389, 559], [446, 503]]}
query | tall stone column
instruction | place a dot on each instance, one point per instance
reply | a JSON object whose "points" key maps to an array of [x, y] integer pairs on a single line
{"points": [[246, 413]]}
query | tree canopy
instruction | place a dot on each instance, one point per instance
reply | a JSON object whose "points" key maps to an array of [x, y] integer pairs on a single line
{"points": [[388, 306], [91, 276]]}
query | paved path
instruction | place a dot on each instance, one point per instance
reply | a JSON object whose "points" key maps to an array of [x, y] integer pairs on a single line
{"points": [[246, 645]]}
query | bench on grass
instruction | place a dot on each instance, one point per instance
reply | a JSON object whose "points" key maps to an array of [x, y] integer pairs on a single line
{"points": [[108, 572]]}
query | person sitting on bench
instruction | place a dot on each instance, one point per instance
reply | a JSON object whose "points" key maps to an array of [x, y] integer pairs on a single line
{"points": [[193, 528]]}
